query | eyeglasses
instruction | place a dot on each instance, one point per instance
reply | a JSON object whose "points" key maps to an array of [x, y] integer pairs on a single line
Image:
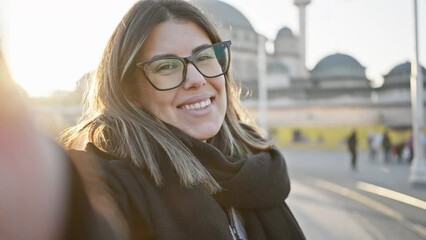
{"points": [[170, 72]]}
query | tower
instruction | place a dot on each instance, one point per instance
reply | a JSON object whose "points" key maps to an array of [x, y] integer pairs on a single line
{"points": [[301, 4]]}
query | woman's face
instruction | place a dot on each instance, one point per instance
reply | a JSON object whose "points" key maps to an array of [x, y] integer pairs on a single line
{"points": [[198, 106]]}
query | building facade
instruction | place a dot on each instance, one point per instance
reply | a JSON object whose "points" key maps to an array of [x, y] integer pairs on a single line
{"points": [[320, 105], [335, 95]]}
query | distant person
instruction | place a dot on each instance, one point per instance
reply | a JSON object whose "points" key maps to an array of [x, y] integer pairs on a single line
{"points": [[409, 148], [352, 142], [399, 148], [374, 145], [386, 145], [165, 122]]}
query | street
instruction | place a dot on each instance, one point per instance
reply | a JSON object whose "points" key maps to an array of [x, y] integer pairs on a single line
{"points": [[376, 201]]}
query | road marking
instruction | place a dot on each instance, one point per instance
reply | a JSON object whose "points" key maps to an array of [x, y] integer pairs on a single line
{"points": [[391, 194], [420, 229], [369, 227], [387, 211], [360, 198]]}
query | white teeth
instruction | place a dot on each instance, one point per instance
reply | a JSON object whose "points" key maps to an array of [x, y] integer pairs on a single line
{"points": [[198, 105]]}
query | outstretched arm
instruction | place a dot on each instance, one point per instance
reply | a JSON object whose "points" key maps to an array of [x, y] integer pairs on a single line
{"points": [[43, 195], [32, 178]]}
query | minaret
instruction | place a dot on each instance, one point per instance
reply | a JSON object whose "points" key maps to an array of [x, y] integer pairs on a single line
{"points": [[301, 4]]}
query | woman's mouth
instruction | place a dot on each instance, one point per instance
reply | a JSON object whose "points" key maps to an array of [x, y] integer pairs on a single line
{"points": [[198, 105]]}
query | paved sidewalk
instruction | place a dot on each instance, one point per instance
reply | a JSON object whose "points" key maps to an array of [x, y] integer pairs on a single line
{"points": [[393, 175], [321, 219], [318, 212]]}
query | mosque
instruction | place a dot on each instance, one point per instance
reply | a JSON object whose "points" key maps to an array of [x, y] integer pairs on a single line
{"points": [[317, 106]]}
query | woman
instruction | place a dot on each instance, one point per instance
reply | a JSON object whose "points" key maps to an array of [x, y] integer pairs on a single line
{"points": [[180, 157]]}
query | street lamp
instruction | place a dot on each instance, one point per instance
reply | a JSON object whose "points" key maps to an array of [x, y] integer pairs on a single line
{"points": [[418, 166]]}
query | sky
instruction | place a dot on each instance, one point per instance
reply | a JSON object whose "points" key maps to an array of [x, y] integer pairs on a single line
{"points": [[50, 44]]}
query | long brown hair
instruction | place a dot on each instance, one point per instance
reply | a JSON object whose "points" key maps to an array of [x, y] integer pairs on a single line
{"points": [[117, 126]]}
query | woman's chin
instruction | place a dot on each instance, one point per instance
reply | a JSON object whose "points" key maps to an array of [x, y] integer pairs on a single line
{"points": [[202, 133]]}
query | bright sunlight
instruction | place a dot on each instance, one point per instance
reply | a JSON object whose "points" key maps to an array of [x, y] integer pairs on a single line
{"points": [[51, 44]]}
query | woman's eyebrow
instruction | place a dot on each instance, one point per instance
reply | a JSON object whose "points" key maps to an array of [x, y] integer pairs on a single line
{"points": [[168, 55], [201, 47], [161, 56]]}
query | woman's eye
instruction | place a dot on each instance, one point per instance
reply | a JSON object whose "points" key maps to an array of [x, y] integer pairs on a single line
{"points": [[165, 67], [204, 57]]}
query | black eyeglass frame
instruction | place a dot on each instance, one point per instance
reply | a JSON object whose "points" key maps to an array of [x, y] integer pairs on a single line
{"points": [[185, 61]]}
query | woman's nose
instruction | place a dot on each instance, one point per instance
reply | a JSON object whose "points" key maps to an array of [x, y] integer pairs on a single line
{"points": [[193, 78]]}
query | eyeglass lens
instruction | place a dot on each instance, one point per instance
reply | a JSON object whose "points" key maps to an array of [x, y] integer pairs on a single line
{"points": [[168, 73]]}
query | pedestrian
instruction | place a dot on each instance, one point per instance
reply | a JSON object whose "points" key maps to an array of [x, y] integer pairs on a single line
{"points": [[399, 147], [386, 145], [352, 142], [409, 148], [374, 145], [164, 121]]}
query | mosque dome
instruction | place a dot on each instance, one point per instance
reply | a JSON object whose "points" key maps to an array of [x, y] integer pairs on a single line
{"points": [[400, 75], [338, 65], [403, 69], [284, 32], [223, 14]]}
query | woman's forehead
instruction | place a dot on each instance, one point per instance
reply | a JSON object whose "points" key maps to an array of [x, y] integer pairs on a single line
{"points": [[177, 37]]}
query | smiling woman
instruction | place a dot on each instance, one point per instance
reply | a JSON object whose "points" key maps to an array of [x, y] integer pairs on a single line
{"points": [[179, 153]]}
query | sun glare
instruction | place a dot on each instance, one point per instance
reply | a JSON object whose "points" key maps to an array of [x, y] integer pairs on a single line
{"points": [[41, 75], [49, 45]]}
